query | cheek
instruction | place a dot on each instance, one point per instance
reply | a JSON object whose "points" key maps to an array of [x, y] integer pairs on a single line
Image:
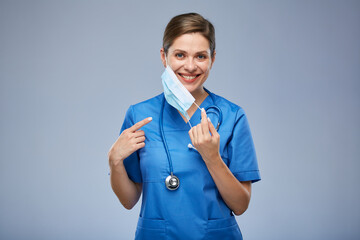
{"points": [[205, 67], [174, 63], [175, 67], [205, 71]]}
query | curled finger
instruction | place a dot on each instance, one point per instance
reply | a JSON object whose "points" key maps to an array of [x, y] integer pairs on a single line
{"points": [[139, 145], [139, 133], [199, 133], [140, 139]]}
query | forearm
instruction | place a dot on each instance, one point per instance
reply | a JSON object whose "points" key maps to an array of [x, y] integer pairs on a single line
{"points": [[125, 189], [235, 194]]}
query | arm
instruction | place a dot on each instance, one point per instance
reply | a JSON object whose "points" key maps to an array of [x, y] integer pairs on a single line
{"points": [[129, 141], [236, 194], [127, 191]]}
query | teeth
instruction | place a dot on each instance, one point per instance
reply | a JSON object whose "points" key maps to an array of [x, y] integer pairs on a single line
{"points": [[188, 77]]}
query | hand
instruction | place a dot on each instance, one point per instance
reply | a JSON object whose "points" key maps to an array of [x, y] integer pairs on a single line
{"points": [[207, 144], [129, 141]]}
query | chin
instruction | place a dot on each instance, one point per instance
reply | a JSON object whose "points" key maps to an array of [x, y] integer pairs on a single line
{"points": [[193, 89]]}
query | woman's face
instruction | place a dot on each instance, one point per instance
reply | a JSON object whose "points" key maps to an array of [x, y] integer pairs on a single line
{"points": [[189, 57]]}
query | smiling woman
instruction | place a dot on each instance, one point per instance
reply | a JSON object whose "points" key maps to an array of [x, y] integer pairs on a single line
{"points": [[215, 171], [191, 61]]}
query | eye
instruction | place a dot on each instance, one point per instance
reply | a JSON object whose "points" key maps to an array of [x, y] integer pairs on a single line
{"points": [[201, 57], [179, 55]]}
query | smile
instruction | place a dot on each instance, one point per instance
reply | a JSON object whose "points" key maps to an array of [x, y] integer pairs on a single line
{"points": [[189, 78]]}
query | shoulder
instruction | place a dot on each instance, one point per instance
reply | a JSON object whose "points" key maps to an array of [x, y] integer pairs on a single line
{"points": [[147, 108], [234, 120], [154, 101], [229, 109]]}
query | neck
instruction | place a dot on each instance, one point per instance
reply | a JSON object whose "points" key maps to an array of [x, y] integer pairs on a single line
{"points": [[199, 97], [199, 94]]}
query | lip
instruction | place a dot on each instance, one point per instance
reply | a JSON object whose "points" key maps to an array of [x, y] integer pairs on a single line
{"points": [[189, 80]]}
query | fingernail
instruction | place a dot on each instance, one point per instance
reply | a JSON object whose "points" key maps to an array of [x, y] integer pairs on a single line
{"points": [[203, 109], [209, 119], [149, 118]]}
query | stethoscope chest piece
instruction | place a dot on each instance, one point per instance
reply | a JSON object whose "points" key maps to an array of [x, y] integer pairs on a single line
{"points": [[172, 182]]}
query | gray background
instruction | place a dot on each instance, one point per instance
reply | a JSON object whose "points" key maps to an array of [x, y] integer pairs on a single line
{"points": [[70, 69]]}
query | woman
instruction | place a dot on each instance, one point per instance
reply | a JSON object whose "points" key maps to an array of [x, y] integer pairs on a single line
{"points": [[193, 175]]}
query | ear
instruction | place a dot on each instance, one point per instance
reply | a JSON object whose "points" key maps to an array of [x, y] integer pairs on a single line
{"points": [[162, 56], [213, 59]]}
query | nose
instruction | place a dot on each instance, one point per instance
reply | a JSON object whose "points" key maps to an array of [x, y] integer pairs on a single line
{"points": [[190, 65]]}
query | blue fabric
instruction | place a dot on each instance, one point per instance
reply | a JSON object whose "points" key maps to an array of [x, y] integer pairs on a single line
{"points": [[195, 210]]}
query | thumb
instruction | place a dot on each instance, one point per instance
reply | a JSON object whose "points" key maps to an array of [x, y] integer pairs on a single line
{"points": [[203, 115], [212, 128]]}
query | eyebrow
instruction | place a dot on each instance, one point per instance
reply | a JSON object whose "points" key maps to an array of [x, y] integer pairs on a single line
{"points": [[202, 52]]}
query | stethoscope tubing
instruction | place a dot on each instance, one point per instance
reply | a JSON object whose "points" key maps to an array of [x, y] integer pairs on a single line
{"points": [[163, 136], [218, 113], [162, 133]]}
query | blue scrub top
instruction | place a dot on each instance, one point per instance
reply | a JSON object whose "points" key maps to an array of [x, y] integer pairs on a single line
{"points": [[196, 209]]}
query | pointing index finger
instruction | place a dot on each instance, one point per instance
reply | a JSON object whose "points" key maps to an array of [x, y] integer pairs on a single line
{"points": [[140, 124]]}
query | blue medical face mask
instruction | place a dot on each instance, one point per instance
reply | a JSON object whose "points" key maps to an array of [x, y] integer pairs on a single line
{"points": [[175, 93]]}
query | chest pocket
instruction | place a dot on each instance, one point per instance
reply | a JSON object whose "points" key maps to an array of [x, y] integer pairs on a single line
{"points": [[153, 161]]}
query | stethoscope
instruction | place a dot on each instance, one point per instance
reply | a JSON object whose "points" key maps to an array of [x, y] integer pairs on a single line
{"points": [[172, 182]]}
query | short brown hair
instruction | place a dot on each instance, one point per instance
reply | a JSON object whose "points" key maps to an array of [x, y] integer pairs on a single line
{"points": [[188, 23]]}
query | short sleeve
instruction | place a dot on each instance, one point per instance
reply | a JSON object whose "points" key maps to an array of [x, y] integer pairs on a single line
{"points": [[131, 163], [243, 162]]}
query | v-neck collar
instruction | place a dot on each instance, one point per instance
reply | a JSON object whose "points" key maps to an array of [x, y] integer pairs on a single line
{"points": [[173, 120]]}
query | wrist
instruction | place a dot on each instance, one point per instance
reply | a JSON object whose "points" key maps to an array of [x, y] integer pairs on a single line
{"points": [[117, 169], [116, 163], [213, 159]]}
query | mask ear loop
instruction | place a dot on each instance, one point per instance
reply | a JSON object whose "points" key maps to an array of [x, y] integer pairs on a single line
{"points": [[197, 106], [166, 61]]}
